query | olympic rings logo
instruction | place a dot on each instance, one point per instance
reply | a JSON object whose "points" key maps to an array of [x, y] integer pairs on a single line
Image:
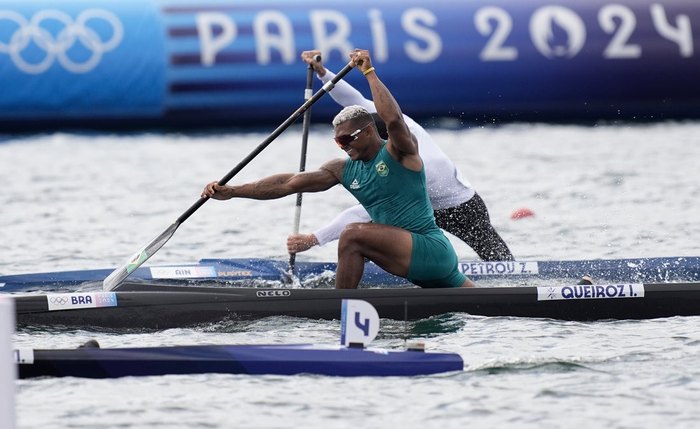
{"points": [[60, 300], [57, 46]]}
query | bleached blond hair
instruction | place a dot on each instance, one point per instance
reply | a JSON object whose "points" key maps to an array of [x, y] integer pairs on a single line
{"points": [[352, 113]]}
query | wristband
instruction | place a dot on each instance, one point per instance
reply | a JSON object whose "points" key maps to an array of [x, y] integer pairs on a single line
{"points": [[368, 71]]}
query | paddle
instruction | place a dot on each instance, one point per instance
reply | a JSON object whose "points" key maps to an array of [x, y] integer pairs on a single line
{"points": [[302, 160], [120, 274]]}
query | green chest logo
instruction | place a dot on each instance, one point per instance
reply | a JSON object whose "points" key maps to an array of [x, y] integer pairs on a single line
{"points": [[382, 169]]}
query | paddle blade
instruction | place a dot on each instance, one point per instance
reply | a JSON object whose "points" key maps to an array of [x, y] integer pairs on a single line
{"points": [[120, 274]]}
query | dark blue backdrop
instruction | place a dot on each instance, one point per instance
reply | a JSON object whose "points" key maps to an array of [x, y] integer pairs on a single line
{"points": [[182, 63]]}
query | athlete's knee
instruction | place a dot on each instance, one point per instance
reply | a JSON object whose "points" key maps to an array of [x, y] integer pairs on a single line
{"points": [[468, 283], [351, 231], [351, 236]]}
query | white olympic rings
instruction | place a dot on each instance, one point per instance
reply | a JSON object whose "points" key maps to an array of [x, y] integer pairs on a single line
{"points": [[57, 46]]}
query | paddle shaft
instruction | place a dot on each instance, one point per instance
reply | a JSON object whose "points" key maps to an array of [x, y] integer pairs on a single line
{"points": [[302, 159], [120, 274]]}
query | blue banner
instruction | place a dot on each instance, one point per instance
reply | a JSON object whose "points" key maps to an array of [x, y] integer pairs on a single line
{"points": [[75, 59], [176, 62]]}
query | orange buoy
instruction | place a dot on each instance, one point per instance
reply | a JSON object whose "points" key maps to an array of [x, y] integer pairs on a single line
{"points": [[522, 213]]}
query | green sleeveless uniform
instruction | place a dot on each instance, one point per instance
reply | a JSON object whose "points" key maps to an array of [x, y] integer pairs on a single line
{"points": [[394, 195]]}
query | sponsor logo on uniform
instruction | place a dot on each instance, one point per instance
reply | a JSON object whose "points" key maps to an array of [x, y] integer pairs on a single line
{"points": [[355, 184], [72, 301], [629, 290], [382, 169], [273, 293]]}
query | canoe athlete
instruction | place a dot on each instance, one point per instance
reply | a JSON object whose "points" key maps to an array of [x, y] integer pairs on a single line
{"points": [[458, 209], [388, 178]]}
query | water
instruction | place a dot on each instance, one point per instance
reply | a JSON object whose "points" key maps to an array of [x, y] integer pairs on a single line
{"points": [[74, 201]]}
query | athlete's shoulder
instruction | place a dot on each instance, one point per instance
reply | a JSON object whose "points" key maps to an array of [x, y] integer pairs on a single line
{"points": [[335, 166]]}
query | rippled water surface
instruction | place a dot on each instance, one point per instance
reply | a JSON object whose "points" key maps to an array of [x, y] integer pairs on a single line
{"points": [[76, 201]]}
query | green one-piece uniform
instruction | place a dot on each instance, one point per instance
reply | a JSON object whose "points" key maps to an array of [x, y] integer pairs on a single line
{"points": [[394, 195]]}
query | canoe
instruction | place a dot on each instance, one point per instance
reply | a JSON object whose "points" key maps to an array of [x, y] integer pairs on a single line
{"points": [[257, 272], [95, 362], [150, 305]]}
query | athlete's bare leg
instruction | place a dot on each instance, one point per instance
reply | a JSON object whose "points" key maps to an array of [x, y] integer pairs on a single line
{"points": [[387, 246]]}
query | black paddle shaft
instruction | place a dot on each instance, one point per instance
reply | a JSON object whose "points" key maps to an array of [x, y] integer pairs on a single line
{"points": [[302, 158], [279, 130]]}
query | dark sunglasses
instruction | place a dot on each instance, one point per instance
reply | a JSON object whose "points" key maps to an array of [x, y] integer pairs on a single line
{"points": [[344, 140]]}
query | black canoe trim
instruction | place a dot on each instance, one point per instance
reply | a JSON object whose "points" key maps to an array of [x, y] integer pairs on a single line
{"points": [[161, 306]]}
